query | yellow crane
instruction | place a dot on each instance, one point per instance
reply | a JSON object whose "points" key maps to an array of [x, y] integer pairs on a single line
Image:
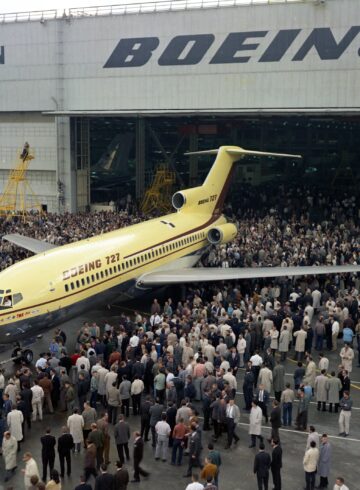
{"points": [[18, 198], [158, 196]]}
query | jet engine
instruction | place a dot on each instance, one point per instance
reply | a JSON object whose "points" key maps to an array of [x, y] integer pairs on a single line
{"points": [[186, 198], [222, 233]]}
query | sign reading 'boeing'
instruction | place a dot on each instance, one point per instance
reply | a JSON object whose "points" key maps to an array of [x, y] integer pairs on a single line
{"points": [[190, 49]]}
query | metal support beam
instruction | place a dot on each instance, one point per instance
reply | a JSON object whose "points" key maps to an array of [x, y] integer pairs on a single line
{"points": [[193, 159], [140, 158]]}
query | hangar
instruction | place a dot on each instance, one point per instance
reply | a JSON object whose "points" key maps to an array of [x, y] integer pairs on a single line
{"points": [[105, 94]]}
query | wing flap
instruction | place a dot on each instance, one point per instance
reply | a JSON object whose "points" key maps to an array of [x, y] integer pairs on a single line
{"points": [[212, 274], [31, 244]]}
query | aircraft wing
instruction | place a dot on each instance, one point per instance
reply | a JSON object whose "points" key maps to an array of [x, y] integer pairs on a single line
{"points": [[199, 274], [32, 244]]}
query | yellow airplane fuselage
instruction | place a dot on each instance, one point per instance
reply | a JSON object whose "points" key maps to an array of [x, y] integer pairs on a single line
{"points": [[61, 283]]}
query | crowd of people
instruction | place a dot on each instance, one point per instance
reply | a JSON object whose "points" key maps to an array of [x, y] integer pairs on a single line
{"points": [[176, 372], [60, 229]]}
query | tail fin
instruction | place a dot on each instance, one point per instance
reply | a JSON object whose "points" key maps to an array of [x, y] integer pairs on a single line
{"points": [[217, 182]]}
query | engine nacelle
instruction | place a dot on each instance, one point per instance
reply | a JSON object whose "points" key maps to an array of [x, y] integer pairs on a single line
{"points": [[222, 233], [186, 198]]}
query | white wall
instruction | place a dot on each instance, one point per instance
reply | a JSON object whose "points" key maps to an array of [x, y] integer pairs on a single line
{"points": [[60, 64]]}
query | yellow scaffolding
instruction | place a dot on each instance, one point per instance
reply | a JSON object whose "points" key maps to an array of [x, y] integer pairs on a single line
{"points": [[18, 198], [158, 197]]}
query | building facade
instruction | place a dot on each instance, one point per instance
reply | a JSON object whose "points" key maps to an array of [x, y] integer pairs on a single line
{"points": [[198, 75]]}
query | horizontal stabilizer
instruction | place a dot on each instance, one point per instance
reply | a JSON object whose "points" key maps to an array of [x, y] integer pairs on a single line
{"points": [[204, 152], [241, 151], [212, 274], [31, 244]]}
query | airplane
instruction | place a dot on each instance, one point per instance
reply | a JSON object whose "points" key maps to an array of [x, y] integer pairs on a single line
{"points": [[61, 282]]}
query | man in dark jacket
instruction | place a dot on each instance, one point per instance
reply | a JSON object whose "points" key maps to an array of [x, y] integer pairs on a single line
{"points": [[138, 456], [121, 477], [55, 393], [48, 443], [155, 416], [275, 420], [26, 396], [248, 387], [145, 418], [65, 445], [276, 463], [171, 419], [105, 480], [194, 449], [122, 436], [262, 464]]}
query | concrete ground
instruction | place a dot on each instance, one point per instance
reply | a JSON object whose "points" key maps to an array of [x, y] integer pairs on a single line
{"points": [[236, 470]]}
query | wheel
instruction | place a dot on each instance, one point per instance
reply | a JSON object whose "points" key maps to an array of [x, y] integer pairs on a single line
{"points": [[28, 356], [16, 354]]}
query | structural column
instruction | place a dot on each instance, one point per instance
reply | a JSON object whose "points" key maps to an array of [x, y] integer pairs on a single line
{"points": [[140, 158]]}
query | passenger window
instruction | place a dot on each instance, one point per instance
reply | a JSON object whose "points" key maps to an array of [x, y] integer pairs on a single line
{"points": [[88, 280], [106, 272], [92, 277], [82, 281], [77, 284], [72, 286], [101, 274], [66, 288], [97, 276]]}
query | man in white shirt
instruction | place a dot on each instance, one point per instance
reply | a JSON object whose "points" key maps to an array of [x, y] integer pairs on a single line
{"points": [[323, 362], [83, 360], [339, 484], [163, 430], [134, 341], [36, 402], [195, 485], [41, 363], [256, 362]]}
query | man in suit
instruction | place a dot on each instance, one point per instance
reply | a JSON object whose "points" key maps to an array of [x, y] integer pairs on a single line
{"points": [[171, 419], [275, 420], [262, 464], [276, 463], [194, 449], [65, 445], [145, 417], [105, 480], [155, 411], [48, 443], [248, 387], [83, 485], [262, 397], [55, 393], [122, 436], [121, 477], [232, 419], [138, 456]]}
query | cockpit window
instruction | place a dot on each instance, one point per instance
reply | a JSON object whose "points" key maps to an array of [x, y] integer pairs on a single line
{"points": [[9, 300], [17, 298]]}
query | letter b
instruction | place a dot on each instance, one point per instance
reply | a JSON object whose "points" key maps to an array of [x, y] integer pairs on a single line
{"points": [[132, 52]]}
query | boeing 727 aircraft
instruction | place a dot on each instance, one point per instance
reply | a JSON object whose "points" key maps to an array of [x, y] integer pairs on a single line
{"points": [[59, 283]]}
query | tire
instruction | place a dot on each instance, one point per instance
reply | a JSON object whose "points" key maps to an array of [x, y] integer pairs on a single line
{"points": [[16, 354], [28, 356]]}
